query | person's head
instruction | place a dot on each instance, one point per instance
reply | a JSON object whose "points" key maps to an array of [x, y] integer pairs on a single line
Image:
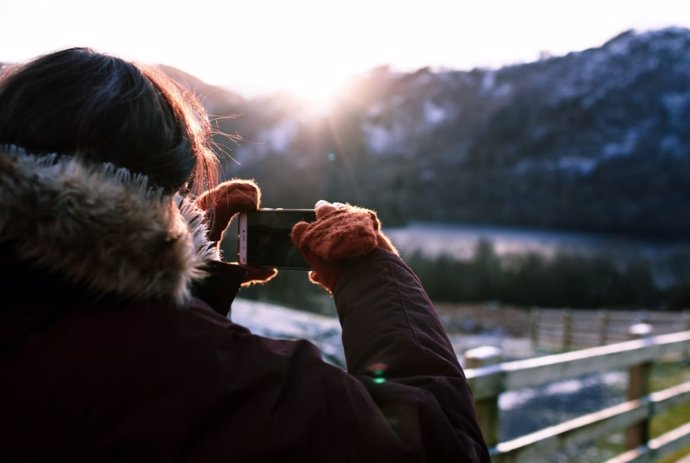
{"points": [[105, 109]]}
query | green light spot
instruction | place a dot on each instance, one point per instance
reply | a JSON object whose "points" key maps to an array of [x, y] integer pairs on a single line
{"points": [[379, 380]]}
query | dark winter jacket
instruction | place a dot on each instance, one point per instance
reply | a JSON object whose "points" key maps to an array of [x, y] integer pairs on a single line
{"points": [[108, 352]]}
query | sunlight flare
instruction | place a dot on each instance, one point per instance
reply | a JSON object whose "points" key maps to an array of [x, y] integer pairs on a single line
{"points": [[317, 90]]}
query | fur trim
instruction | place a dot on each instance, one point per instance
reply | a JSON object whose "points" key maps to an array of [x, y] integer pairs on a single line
{"points": [[102, 227]]}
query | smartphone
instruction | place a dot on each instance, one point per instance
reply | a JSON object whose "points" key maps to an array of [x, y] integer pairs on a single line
{"points": [[263, 238]]}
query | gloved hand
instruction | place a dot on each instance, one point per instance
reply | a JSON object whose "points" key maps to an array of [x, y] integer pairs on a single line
{"points": [[341, 234], [221, 204]]}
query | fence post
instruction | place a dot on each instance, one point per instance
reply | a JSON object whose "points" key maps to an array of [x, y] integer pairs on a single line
{"points": [[567, 330], [638, 386], [686, 327], [603, 327], [534, 326], [487, 409]]}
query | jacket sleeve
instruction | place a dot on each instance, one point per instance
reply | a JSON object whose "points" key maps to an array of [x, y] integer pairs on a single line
{"points": [[220, 286], [397, 347]]}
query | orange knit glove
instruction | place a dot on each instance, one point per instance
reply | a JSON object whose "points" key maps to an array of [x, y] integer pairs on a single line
{"points": [[221, 205], [340, 235]]}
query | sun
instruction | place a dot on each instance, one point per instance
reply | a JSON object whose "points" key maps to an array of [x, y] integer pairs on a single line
{"points": [[317, 89]]}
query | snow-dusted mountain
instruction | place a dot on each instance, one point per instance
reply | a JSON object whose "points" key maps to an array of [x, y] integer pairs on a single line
{"points": [[593, 140]]}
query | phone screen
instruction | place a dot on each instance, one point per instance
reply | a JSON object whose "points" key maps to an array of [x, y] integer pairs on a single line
{"points": [[264, 238]]}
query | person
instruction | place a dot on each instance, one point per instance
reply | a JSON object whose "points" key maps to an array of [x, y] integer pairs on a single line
{"points": [[116, 342]]}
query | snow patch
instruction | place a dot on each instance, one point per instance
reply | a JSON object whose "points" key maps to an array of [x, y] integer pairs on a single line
{"points": [[433, 114], [279, 322], [623, 147], [280, 137], [378, 138]]}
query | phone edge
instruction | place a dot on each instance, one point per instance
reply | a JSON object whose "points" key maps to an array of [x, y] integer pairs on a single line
{"points": [[242, 238]]}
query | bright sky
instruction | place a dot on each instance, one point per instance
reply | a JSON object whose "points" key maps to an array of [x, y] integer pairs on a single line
{"points": [[312, 46]]}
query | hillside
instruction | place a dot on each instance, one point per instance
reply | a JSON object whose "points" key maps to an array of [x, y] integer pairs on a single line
{"points": [[596, 140]]}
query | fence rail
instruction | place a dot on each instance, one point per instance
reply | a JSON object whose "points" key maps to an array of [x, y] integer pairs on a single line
{"points": [[488, 380]]}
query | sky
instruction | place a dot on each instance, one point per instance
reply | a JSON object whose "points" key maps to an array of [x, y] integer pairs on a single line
{"points": [[312, 47]]}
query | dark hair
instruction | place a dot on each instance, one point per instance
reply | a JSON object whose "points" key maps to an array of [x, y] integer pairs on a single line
{"points": [[105, 109]]}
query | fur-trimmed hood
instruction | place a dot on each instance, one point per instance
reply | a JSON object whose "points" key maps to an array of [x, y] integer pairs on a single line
{"points": [[102, 227]]}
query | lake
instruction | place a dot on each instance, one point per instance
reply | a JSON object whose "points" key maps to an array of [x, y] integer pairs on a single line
{"points": [[460, 241]]}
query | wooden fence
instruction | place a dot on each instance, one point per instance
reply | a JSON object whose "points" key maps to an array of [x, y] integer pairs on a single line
{"points": [[489, 380], [564, 329]]}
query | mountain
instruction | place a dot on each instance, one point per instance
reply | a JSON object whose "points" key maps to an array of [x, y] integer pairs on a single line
{"points": [[216, 100], [596, 140]]}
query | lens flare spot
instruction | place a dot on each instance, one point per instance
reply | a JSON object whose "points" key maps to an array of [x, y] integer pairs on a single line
{"points": [[378, 370]]}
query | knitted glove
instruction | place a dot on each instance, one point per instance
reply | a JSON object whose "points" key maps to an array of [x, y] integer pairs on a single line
{"points": [[340, 235], [221, 205]]}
